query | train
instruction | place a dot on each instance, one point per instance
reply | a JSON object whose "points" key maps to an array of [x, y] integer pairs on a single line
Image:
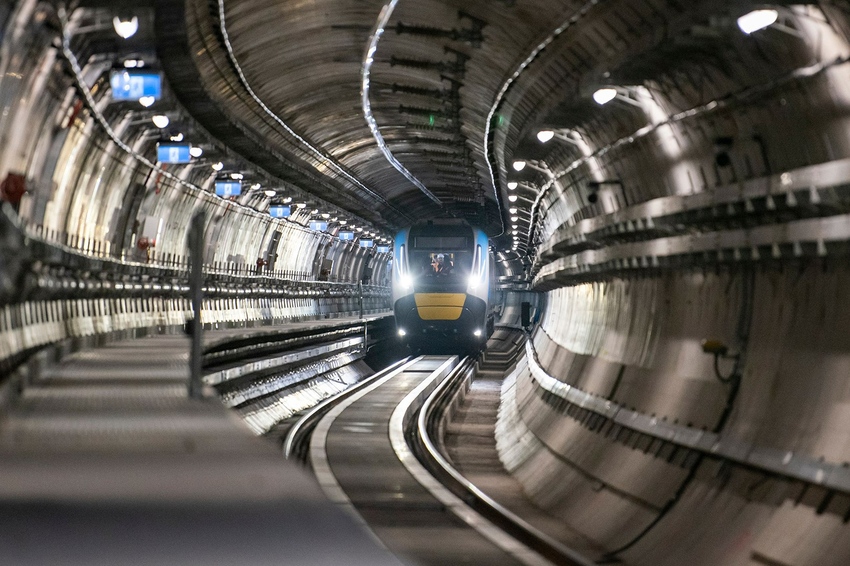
{"points": [[443, 284]]}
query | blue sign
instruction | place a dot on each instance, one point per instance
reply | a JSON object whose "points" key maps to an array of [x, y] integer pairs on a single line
{"points": [[228, 188], [346, 236], [278, 211], [366, 243], [383, 249], [133, 85], [318, 225], [173, 153]]}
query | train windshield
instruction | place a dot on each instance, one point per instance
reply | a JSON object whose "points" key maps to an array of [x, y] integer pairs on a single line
{"points": [[441, 260]]}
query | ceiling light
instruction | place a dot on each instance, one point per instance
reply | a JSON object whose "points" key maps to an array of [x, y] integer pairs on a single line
{"points": [[512, 185], [519, 165], [218, 166], [160, 121], [125, 28], [325, 215], [512, 198], [315, 211], [604, 95], [301, 205], [196, 151], [147, 101], [359, 229], [545, 135], [756, 20], [269, 192], [236, 176], [512, 210], [287, 200], [514, 218], [177, 138], [343, 222], [333, 219], [513, 226]]}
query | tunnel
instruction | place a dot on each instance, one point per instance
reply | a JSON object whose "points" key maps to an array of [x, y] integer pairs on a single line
{"points": [[200, 203]]}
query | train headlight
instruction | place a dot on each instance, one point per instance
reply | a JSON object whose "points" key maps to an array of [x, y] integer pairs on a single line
{"points": [[477, 333], [406, 282], [402, 332], [473, 283]]}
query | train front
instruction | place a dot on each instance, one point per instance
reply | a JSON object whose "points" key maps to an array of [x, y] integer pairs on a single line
{"points": [[440, 286]]}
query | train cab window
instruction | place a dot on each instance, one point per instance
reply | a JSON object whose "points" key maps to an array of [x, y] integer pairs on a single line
{"points": [[442, 266], [439, 258]]}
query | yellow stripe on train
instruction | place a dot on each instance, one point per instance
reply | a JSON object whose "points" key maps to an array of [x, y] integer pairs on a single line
{"points": [[439, 306]]}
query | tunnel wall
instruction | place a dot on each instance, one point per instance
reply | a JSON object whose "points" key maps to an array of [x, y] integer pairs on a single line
{"points": [[86, 192], [614, 342], [96, 245], [616, 420]]}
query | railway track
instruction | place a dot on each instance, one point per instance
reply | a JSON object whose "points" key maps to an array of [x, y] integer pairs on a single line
{"points": [[377, 450]]}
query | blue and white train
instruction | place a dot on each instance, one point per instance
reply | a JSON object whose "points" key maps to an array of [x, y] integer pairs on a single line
{"points": [[443, 286]]}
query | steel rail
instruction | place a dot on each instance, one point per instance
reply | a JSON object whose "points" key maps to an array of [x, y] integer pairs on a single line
{"points": [[297, 440], [426, 449]]}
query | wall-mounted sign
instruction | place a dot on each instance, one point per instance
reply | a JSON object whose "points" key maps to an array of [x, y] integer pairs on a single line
{"points": [[278, 211], [228, 188], [383, 249], [346, 236], [318, 225], [173, 153], [366, 243], [132, 85]]}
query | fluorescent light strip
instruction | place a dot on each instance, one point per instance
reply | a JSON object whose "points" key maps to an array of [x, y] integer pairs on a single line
{"points": [[508, 83], [707, 108], [325, 160], [85, 89], [377, 32]]}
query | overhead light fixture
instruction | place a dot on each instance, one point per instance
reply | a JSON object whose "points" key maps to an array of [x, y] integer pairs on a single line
{"points": [[545, 135], [218, 166], [269, 192], [177, 138], [512, 185], [125, 28], [325, 215], [196, 151], [756, 20], [514, 218], [359, 229], [604, 95], [519, 165], [133, 63], [287, 200], [512, 210], [236, 176], [301, 205], [160, 121], [147, 101], [512, 198], [513, 226], [343, 222]]}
